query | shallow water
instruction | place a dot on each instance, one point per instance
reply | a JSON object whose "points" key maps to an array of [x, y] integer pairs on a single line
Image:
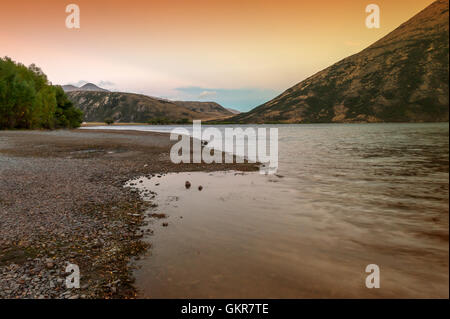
{"points": [[345, 196]]}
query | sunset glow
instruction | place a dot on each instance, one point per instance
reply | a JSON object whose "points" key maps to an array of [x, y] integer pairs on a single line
{"points": [[239, 53]]}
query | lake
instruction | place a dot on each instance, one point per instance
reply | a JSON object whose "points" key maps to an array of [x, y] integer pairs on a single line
{"points": [[345, 196]]}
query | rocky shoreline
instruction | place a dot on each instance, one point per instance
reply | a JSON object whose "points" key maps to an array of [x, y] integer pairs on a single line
{"points": [[62, 201]]}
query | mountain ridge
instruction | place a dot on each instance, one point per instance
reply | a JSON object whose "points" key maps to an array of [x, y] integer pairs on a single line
{"points": [[86, 87], [131, 107], [402, 77]]}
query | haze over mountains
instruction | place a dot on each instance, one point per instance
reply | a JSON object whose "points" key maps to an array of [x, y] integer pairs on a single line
{"points": [[401, 77]]}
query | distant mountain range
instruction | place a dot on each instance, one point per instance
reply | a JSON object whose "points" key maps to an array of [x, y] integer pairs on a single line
{"points": [[86, 87], [98, 105], [401, 77]]}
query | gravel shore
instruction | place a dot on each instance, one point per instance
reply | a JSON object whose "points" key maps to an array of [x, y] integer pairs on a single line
{"points": [[62, 201]]}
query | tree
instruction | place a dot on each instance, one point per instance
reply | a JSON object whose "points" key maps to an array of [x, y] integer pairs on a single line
{"points": [[28, 100], [158, 121]]}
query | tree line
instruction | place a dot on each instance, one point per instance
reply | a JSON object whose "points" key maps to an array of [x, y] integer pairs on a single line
{"points": [[29, 101]]}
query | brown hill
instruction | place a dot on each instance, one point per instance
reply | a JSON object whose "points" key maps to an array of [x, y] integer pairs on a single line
{"points": [[86, 87], [208, 109], [401, 77], [129, 107]]}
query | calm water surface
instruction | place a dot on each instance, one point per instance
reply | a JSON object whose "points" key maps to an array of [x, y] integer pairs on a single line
{"points": [[345, 196]]}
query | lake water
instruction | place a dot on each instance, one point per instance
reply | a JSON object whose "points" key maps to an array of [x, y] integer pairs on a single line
{"points": [[344, 196]]}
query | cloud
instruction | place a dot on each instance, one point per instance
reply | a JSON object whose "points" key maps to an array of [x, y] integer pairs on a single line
{"points": [[106, 83], [79, 83], [207, 94]]}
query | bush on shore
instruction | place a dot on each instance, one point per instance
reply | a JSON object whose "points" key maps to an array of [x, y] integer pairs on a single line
{"points": [[29, 101], [109, 120]]}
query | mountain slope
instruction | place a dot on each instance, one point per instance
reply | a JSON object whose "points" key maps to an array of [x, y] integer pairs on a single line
{"points": [[209, 109], [401, 77], [92, 87], [233, 111], [69, 88], [130, 107]]}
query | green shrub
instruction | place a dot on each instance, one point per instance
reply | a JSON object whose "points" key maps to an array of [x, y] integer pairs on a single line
{"points": [[159, 121], [109, 120]]}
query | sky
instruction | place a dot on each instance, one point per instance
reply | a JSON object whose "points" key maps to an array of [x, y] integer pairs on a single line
{"points": [[239, 53]]}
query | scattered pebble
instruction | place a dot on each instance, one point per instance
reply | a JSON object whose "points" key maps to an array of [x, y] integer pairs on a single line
{"points": [[92, 221]]}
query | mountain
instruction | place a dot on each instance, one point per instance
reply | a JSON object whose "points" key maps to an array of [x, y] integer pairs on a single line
{"points": [[130, 107], [86, 87], [402, 77], [233, 111], [210, 109], [69, 88], [92, 87]]}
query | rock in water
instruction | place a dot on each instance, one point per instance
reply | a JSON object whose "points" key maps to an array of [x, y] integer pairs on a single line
{"points": [[187, 184]]}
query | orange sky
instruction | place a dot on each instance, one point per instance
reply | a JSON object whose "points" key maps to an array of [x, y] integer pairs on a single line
{"points": [[158, 46]]}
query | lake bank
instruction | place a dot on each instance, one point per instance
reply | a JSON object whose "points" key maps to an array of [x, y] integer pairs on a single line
{"points": [[62, 200]]}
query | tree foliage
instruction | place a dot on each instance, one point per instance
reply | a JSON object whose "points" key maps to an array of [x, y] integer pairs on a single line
{"points": [[166, 121], [28, 100]]}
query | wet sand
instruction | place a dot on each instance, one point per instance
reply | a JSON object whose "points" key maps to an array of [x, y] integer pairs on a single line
{"points": [[62, 200]]}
